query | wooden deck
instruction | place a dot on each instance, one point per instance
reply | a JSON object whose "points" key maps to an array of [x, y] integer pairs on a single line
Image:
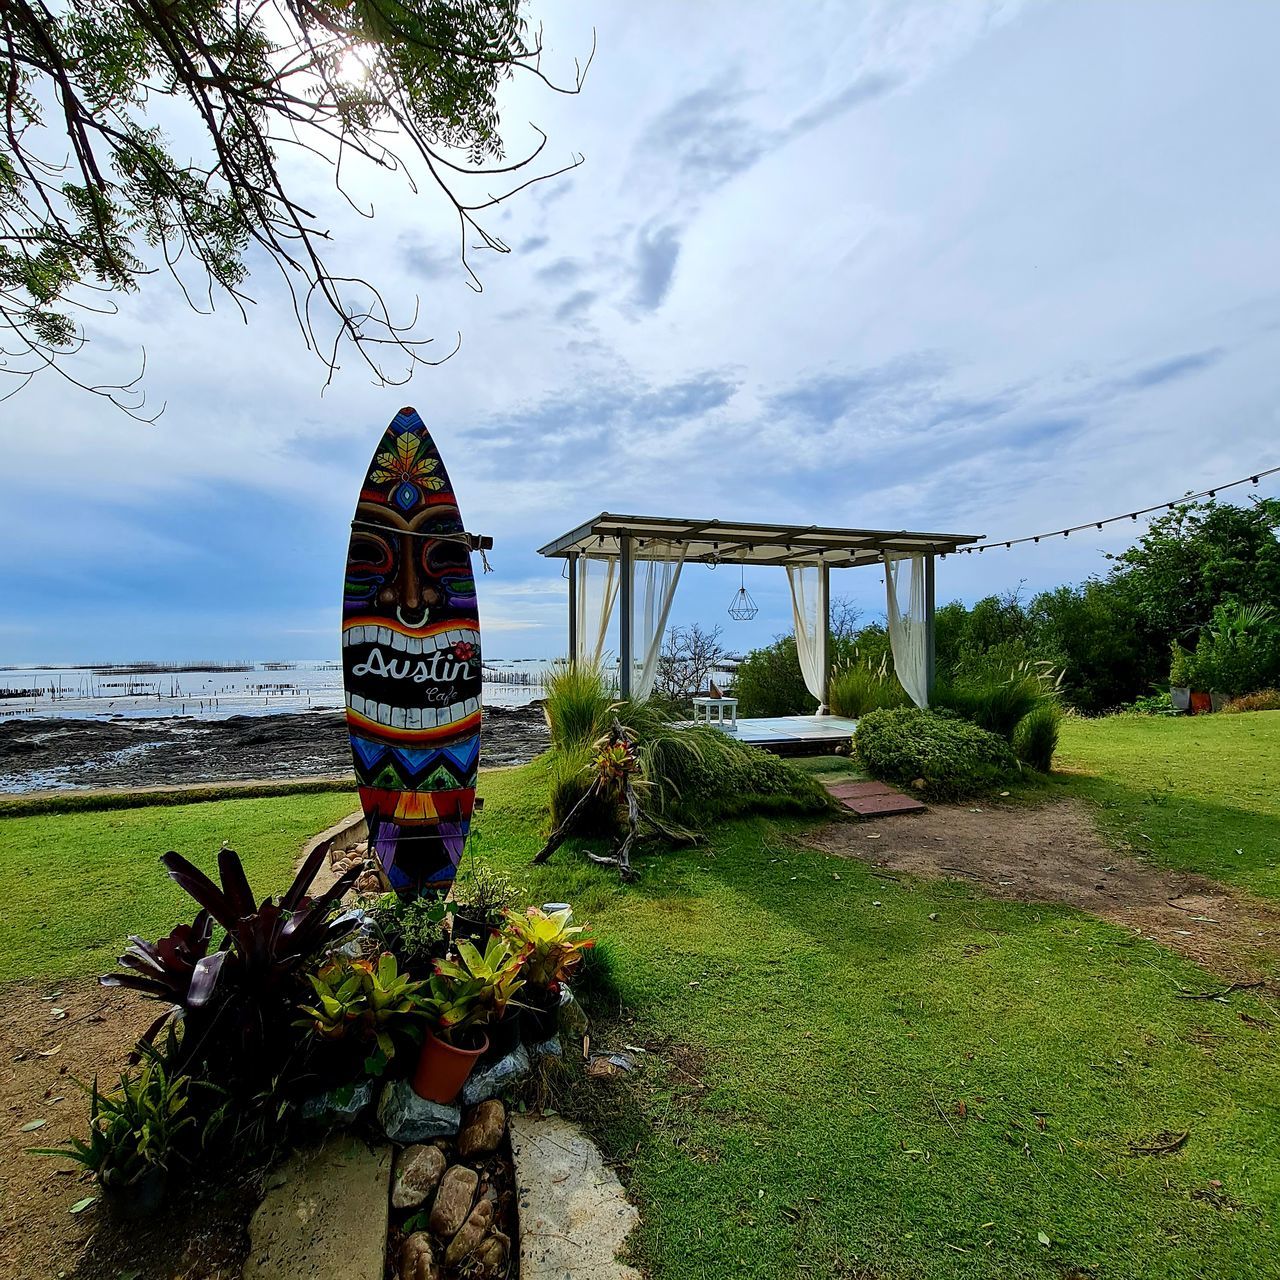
{"points": [[795, 735]]}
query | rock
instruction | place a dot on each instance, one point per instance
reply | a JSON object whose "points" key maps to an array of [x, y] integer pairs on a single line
{"points": [[476, 1227], [608, 1066], [369, 882], [453, 1200], [417, 1172], [492, 1080], [325, 1214], [418, 1258], [491, 1256], [338, 1106], [405, 1117], [483, 1130], [574, 1217]]}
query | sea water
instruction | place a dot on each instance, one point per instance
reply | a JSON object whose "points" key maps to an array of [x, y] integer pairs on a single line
{"points": [[216, 690]]}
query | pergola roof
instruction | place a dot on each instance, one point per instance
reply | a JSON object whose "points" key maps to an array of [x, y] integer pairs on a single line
{"points": [[713, 541]]}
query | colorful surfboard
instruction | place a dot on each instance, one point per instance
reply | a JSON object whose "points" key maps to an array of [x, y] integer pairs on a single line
{"points": [[411, 660]]}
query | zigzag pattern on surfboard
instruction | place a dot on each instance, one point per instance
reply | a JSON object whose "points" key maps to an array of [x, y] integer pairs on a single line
{"points": [[383, 765]]}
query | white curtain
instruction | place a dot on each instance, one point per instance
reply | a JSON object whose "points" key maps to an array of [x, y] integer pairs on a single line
{"points": [[661, 569], [809, 613], [907, 636], [596, 596]]}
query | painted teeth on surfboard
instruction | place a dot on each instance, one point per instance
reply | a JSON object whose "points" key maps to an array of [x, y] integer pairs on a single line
{"points": [[401, 643], [411, 717]]}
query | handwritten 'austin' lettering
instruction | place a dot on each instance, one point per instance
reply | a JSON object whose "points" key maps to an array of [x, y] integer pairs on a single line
{"points": [[441, 667]]}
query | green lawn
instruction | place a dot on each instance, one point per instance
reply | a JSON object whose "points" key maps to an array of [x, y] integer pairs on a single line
{"points": [[1199, 793], [814, 1038], [75, 885], [839, 1086]]}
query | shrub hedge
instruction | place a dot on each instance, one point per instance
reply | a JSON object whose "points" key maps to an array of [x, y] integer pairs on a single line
{"points": [[952, 757]]}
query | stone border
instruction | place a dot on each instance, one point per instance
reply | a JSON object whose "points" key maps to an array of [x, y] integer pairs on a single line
{"points": [[349, 831]]}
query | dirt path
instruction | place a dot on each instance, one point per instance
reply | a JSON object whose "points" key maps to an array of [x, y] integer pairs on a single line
{"points": [[1055, 853], [41, 1057]]}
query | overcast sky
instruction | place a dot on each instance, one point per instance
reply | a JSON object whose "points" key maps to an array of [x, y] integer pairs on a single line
{"points": [[976, 267]]}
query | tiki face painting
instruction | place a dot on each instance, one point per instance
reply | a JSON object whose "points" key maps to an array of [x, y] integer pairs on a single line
{"points": [[411, 660]]}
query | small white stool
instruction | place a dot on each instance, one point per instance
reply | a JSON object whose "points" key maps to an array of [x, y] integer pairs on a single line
{"points": [[722, 712]]}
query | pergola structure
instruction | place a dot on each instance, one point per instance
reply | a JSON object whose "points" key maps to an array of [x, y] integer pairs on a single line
{"points": [[624, 538]]}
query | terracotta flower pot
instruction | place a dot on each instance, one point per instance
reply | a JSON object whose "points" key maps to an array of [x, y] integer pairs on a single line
{"points": [[443, 1068], [1200, 702]]}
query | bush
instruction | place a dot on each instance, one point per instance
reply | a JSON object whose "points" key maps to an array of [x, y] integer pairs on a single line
{"points": [[720, 777], [1036, 737], [1180, 667], [860, 687], [953, 757], [577, 704], [1263, 700], [1151, 704]]}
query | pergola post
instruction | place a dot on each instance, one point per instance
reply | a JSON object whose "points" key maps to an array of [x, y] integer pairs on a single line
{"points": [[930, 653], [625, 566], [824, 636], [573, 607]]}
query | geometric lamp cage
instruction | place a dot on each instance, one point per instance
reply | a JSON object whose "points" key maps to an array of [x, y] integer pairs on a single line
{"points": [[742, 608]]}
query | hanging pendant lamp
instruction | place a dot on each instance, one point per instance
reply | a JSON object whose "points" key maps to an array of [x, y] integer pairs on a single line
{"points": [[742, 608]]}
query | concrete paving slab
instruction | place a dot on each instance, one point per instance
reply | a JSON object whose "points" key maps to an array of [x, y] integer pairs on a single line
{"points": [[884, 806], [324, 1216], [574, 1216]]}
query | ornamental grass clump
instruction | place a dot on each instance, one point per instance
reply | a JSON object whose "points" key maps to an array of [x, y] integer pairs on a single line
{"points": [[577, 704], [860, 687], [1036, 738], [946, 757], [998, 700], [1263, 700]]}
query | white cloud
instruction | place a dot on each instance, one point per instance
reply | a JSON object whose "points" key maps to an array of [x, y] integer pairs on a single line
{"points": [[960, 265]]}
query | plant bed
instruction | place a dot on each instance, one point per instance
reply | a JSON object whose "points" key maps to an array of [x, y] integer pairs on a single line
{"points": [[281, 1018], [453, 1203]]}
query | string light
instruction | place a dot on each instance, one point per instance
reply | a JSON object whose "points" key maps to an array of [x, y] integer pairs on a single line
{"points": [[1132, 515]]}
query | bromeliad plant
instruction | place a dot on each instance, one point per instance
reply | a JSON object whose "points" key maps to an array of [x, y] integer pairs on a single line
{"points": [[237, 1003], [474, 990], [360, 1000], [137, 1133], [549, 948]]}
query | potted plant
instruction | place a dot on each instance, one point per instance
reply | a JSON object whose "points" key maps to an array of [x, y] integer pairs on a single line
{"points": [[466, 996], [550, 949], [1204, 675], [481, 897], [1180, 671]]}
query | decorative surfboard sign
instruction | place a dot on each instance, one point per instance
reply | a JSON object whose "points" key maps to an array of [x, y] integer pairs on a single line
{"points": [[411, 661]]}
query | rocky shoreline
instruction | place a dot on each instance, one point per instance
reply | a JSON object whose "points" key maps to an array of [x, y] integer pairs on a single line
{"points": [[64, 754]]}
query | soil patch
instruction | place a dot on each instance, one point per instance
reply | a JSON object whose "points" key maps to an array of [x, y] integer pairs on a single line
{"points": [[43, 1055], [1055, 853], [47, 754]]}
